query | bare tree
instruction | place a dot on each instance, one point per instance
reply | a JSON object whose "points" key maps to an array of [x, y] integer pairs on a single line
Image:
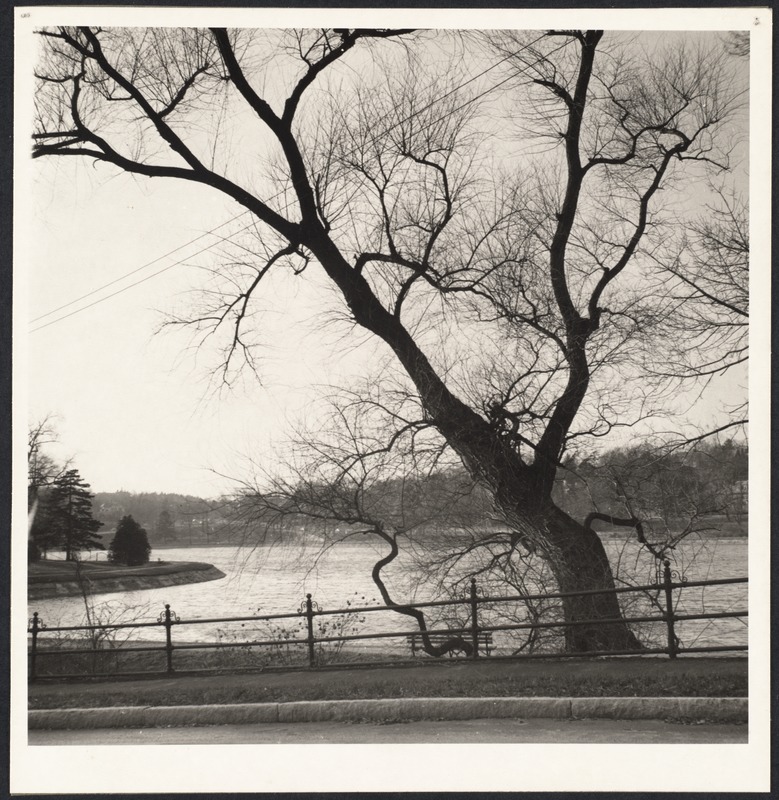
{"points": [[369, 472], [511, 298], [737, 43], [42, 470], [707, 278]]}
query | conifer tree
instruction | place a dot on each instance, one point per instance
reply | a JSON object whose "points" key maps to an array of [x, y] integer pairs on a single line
{"points": [[65, 519], [130, 545]]}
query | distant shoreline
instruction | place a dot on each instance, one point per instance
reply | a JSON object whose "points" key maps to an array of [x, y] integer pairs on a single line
{"points": [[733, 531], [50, 579]]}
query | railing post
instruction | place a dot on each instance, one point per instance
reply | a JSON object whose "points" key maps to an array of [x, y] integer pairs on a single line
{"points": [[669, 608], [310, 626], [35, 627], [474, 619], [167, 618]]}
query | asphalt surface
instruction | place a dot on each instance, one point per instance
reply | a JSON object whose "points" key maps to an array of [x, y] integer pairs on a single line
{"points": [[483, 731]]}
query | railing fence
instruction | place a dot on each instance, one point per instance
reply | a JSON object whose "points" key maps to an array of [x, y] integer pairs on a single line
{"points": [[474, 632]]}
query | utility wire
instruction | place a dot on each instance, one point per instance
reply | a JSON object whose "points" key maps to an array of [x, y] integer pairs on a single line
{"points": [[272, 198], [144, 266], [142, 280]]}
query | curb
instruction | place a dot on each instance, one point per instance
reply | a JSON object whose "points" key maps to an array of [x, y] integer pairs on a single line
{"points": [[709, 709]]}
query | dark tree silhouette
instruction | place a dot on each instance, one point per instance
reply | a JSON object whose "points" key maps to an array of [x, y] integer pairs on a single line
{"points": [[130, 544], [64, 519]]}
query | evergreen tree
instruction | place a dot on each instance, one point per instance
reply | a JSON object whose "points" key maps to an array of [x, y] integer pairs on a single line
{"points": [[64, 517], [130, 544]]}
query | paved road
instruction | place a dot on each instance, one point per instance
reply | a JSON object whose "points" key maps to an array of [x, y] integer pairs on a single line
{"points": [[487, 731]]}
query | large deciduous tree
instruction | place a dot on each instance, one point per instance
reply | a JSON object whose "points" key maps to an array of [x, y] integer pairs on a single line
{"points": [[495, 234]]}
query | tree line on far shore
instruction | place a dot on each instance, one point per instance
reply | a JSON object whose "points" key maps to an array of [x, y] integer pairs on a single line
{"points": [[170, 518], [702, 490], [648, 489]]}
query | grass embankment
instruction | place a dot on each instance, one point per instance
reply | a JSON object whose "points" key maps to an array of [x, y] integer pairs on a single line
{"points": [[66, 578], [631, 677], [56, 571]]}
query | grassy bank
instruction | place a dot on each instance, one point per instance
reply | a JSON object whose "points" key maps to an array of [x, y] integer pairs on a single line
{"points": [[630, 677], [61, 571], [49, 579]]}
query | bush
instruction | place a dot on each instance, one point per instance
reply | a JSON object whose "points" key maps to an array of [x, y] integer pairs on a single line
{"points": [[288, 637], [130, 544]]}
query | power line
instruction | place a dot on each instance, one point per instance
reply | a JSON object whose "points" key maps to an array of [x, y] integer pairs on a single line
{"points": [[138, 269], [271, 199], [142, 280]]}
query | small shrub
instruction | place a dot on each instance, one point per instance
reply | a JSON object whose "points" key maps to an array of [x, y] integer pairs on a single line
{"points": [[130, 544], [288, 639]]}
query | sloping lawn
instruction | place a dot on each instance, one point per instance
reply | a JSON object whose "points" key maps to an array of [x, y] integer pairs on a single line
{"points": [[631, 677], [54, 571]]}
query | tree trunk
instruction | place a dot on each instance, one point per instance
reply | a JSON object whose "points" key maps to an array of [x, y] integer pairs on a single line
{"points": [[579, 562]]}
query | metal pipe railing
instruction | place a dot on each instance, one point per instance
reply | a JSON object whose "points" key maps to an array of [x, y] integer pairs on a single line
{"points": [[470, 632]]}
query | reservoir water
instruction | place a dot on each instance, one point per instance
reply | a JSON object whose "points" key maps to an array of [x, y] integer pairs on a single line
{"points": [[268, 580]]}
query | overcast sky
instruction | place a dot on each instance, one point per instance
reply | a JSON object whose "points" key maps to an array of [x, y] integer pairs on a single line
{"points": [[135, 410]]}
